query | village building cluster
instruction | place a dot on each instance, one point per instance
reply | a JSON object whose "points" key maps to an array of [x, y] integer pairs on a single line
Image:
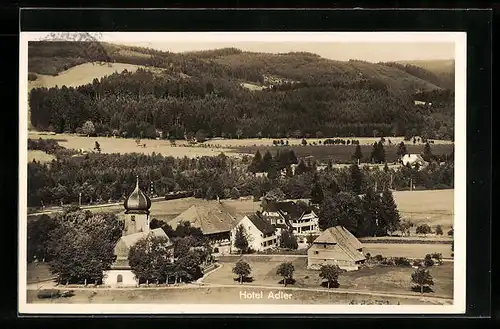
{"points": [[218, 223]]}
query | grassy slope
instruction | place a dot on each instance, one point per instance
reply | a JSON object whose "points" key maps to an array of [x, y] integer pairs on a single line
{"points": [[436, 66], [293, 66]]}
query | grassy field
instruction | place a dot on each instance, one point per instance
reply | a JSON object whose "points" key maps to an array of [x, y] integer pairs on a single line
{"points": [[126, 145], [343, 153], [80, 75], [233, 147], [37, 272], [40, 156], [387, 279], [212, 295], [409, 250], [432, 207]]}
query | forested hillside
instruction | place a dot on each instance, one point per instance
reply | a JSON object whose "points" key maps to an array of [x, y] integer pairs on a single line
{"points": [[208, 91]]}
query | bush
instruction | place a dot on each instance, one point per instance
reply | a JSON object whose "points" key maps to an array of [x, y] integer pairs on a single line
{"points": [[451, 232], [417, 263], [387, 262], [401, 261], [428, 262], [439, 230], [378, 258], [438, 257], [423, 229], [32, 76]]}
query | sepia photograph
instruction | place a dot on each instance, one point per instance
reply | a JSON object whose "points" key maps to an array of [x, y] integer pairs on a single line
{"points": [[232, 172]]}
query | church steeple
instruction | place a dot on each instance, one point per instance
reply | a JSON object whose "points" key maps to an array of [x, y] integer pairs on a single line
{"points": [[138, 201]]}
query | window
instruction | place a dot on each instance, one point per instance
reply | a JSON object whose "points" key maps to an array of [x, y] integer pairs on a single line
{"points": [[132, 218], [119, 278], [324, 246], [316, 252]]}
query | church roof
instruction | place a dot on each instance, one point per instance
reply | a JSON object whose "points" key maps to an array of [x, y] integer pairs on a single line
{"points": [[124, 244], [131, 239], [137, 202], [210, 217]]}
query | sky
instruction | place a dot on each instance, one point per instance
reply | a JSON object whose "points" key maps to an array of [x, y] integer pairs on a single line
{"points": [[372, 52], [368, 46]]}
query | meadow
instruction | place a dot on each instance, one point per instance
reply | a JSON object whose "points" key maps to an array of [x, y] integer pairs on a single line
{"points": [[343, 153], [236, 147], [389, 279]]}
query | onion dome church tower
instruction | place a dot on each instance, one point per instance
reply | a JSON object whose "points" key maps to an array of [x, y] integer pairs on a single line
{"points": [[137, 207]]}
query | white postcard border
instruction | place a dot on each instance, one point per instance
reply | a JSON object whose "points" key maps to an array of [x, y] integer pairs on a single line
{"points": [[459, 303]]}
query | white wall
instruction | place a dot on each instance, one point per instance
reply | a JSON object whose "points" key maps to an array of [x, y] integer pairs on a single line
{"points": [[110, 278], [253, 234]]}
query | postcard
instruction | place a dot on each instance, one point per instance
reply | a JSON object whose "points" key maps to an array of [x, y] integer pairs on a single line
{"points": [[217, 172]]}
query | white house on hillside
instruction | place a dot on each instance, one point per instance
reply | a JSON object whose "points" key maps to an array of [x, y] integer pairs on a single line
{"points": [[260, 234]]}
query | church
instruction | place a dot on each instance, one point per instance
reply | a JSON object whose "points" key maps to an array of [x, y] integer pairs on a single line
{"points": [[136, 226]]}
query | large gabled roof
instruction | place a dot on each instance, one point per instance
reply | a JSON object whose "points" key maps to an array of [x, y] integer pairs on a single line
{"points": [[210, 218], [341, 237], [261, 224]]}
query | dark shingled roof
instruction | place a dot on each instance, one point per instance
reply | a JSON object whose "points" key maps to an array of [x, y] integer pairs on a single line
{"points": [[261, 224], [288, 209]]}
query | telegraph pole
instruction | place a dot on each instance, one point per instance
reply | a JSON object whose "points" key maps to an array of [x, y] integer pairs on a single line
{"points": [[80, 199]]}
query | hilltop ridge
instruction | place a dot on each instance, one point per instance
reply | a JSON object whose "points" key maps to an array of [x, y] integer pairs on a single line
{"points": [[231, 92]]}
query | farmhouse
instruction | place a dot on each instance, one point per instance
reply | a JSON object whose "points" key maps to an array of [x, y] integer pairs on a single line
{"points": [[136, 227], [214, 219], [289, 215], [336, 246], [260, 234], [413, 159]]}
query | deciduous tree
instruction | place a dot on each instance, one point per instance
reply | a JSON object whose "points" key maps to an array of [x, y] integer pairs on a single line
{"points": [[242, 269], [330, 273], [422, 278], [285, 270]]}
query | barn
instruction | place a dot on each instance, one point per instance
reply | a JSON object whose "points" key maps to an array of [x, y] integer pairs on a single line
{"points": [[336, 246]]}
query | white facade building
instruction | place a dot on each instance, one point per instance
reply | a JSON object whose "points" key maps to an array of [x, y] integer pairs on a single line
{"points": [[260, 234]]}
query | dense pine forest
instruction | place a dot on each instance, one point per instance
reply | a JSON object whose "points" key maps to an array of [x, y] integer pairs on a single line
{"points": [[235, 94]]}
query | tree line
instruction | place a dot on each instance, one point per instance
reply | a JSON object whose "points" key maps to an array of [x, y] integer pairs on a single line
{"points": [[111, 177], [140, 103]]}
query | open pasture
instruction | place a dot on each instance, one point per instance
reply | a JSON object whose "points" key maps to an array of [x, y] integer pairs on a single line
{"points": [[128, 145], [342, 153], [391, 279], [233, 147], [80, 75], [40, 156], [408, 250], [432, 207]]}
